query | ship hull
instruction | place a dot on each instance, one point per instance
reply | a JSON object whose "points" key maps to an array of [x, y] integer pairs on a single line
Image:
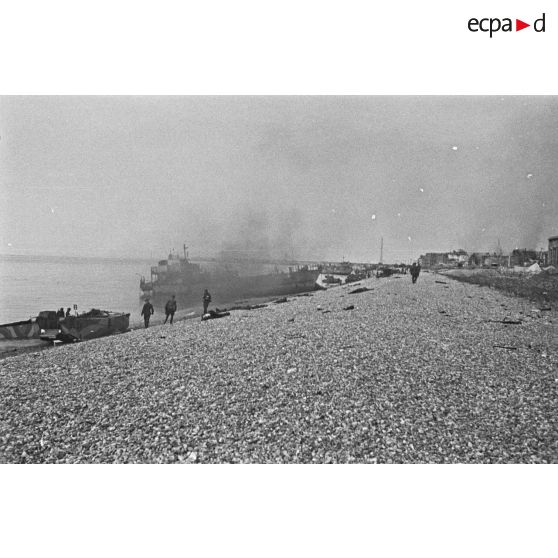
{"points": [[28, 329], [92, 327], [228, 289]]}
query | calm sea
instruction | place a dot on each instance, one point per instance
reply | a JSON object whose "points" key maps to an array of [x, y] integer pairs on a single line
{"points": [[29, 284]]}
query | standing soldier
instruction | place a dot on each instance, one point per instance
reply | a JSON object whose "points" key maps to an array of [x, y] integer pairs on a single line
{"points": [[206, 300], [170, 308], [146, 312], [415, 271]]}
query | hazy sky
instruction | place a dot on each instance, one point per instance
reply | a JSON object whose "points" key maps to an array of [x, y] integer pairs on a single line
{"points": [[310, 177]]}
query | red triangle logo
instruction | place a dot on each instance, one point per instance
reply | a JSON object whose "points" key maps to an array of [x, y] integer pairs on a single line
{"points": [[519, 25]]}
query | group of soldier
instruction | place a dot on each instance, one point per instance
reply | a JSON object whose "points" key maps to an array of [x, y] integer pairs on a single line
{"points": [[170, 308], [61, 314]]}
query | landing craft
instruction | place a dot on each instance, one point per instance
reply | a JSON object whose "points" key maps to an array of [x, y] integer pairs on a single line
{"points": [[230, 280], [93, 324], [49, 327]]}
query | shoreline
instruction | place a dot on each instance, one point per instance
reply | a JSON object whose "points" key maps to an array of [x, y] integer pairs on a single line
{"points": [[432, 372], [11, 348]]}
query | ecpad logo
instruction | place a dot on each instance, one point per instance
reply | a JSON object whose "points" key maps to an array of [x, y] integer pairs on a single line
{"points": [[493, 25]]}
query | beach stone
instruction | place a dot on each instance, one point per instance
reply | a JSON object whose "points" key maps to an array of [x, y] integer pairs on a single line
{"points": [[396, 381]]}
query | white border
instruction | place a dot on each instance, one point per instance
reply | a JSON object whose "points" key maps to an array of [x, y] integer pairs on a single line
{"points": [[286, 47], [259, 510]]}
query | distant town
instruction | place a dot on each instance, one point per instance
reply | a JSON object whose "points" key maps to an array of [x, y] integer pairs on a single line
{"points": [[519, 259]]}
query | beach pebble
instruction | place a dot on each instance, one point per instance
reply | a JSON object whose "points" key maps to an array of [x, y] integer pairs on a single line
{"points": [[396, 381]]}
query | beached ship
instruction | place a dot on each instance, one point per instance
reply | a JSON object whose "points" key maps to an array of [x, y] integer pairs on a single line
{"points": [[93, 324], [187, 280], [48, 326]]}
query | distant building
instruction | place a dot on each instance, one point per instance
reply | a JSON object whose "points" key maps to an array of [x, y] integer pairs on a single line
{"points": [[518, 258], [458, 257], [553, 250], [523, 257], [432, 259], [476, 259]]}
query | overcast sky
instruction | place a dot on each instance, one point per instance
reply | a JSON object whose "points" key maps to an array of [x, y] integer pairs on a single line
{"points": [[310, 177]]}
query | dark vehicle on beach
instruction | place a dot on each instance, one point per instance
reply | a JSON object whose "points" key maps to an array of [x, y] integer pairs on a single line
{"points": [[89, 325], [356, 276], [331, 280], [93, 324]]}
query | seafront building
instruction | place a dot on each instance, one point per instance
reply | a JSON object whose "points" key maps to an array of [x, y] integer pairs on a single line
{"points": [[517, 259], [553, 250]]}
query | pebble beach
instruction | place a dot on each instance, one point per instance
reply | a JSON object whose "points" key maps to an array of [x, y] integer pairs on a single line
{"points": [[433, 372]]}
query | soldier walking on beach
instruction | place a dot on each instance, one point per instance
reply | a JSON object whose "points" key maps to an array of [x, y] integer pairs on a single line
{"points": [[170, 309], [206, 300], [415, 271], [146, 312]]}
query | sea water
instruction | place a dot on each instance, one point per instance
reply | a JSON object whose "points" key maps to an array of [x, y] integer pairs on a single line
{"points": [[29, 284]]}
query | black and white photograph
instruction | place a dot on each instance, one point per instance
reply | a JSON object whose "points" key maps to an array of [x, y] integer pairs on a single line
{"points": [[278, 279], [290, 279]]}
